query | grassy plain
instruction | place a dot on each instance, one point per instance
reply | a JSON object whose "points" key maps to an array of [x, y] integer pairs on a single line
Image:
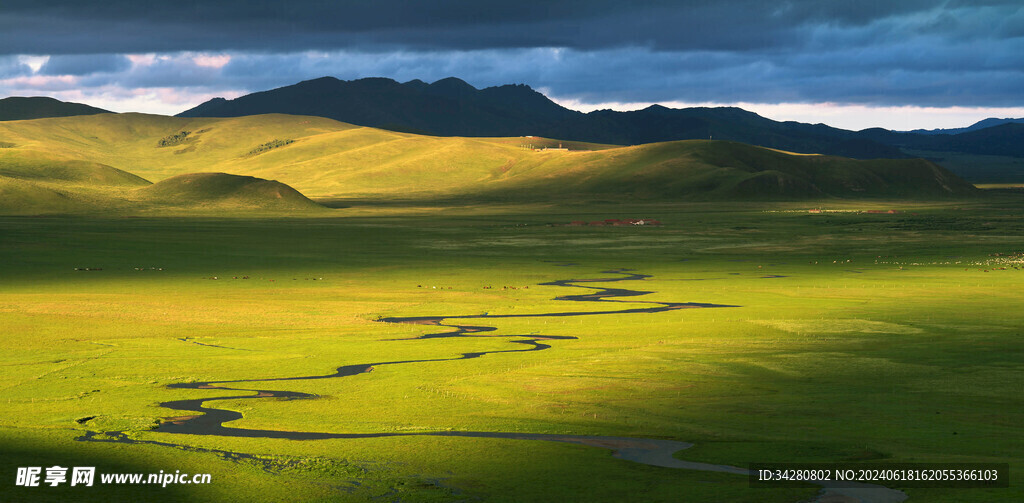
{"points": [[858, 337]]}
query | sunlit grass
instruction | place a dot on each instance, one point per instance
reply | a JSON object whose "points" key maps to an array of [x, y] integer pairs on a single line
{"points": [[856, 337]]}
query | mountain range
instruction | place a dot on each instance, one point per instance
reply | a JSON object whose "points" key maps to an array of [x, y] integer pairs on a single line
{"points": [[988, 151], [450, 140], [451, 107]]}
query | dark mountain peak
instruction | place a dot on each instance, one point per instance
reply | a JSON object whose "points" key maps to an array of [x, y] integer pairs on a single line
{"points": [[705, 116], [452, 87], [874, 130], [447, 107], [41, 107], [322, 84], [513, 88], [375, 84], [520, 91], [993, 122], [733, 112], [730, 109], [453, 83], [374, 81], [335, 85], [321, 80]]}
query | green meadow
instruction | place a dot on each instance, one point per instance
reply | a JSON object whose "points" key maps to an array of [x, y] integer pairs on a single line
{"points": [[855, 337]]}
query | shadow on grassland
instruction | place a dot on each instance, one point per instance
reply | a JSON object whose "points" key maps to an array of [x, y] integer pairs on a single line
{"points": [[32, 451]]}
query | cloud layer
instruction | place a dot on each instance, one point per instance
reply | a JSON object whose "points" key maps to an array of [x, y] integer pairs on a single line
{"points": [[912, 53]]}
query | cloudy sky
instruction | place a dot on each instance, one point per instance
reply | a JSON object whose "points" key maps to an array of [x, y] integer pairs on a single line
{"points": [[900, 64]]}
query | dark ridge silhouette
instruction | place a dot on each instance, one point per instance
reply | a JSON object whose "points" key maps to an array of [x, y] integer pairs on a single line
{"points": [[448, 107], [451, 107], [1005, 139], [18, 108], [982, 124]]}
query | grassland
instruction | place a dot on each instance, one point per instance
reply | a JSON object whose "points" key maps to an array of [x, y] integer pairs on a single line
{"points": [[855, 334], [325, 159], [858, 337]]}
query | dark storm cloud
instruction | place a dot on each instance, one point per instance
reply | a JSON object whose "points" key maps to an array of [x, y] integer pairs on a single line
{"points": [[53, 27], [892, 52]]}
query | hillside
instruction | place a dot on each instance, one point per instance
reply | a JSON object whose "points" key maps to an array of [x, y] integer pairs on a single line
{"points": [[22, 197], [17, 108], [45, 182], [451, 107], [704, 169], [43, 166], [33, 182], [327, 159]]}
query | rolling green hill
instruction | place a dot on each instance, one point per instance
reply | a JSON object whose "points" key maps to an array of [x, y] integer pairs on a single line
{"points": [[37, 182], [227, 191], [323, 158], [214, 193]]}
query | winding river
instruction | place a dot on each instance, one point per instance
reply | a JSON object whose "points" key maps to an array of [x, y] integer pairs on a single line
{"points": [[201, 419]]}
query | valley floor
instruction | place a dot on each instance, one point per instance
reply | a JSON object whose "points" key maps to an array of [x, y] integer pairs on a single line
{"points": [[756, 332]]}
